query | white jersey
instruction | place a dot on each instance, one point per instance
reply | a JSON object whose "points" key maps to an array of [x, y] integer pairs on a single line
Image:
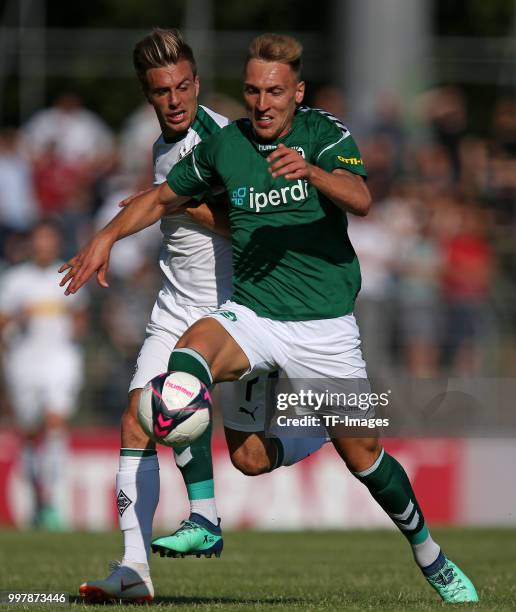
{"points": [[32, 295], [42, 364], [196, 264]]}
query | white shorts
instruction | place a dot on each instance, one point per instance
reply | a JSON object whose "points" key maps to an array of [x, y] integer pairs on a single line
{"points": [[243, 402], [324, 349], [40, 382]]}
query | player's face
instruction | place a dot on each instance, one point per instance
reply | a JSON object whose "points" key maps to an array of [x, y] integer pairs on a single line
{"points": [[271, 94], [172, 90], [45, 245]]}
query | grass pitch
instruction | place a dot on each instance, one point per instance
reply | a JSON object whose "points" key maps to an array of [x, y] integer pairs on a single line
{"points": [[358, 570]]}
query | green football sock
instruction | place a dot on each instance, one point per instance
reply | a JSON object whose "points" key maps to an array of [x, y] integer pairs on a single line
{"points": [[196, 466], [388, 483], [195, 461], [190, 361]]}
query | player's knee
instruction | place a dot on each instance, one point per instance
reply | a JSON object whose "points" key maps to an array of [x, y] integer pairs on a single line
{"points": [[250, 464], [359, 454]]}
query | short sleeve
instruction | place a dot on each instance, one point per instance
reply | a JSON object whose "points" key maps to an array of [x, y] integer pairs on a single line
{"points": [[335, 147], [195, 173], [156, 178]]}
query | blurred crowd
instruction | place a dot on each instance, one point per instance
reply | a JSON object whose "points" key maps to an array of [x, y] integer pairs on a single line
{"points": [[436, 251]]}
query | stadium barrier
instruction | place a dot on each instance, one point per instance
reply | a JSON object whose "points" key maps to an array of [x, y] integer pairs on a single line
{"points": [[455, 481]]}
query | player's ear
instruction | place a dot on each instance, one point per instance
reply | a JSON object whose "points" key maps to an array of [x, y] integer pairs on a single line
{"points": [[197, 85], [300, 92]]}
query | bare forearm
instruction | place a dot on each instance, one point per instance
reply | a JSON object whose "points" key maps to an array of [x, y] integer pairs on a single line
{"points": [[139, 212], [348, 191], [142, 211]]}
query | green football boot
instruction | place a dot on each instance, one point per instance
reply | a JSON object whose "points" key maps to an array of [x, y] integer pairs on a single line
{"points": [[450, 582], [197, 536]]}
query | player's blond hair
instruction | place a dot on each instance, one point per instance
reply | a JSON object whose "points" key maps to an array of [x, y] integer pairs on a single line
{"points": [[277, 48], [158, 49]]}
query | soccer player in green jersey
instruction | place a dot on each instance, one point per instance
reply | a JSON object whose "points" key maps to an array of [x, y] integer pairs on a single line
{"points": [[291, 173], [196, 272]]}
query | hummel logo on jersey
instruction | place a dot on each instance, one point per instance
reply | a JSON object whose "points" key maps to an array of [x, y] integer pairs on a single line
{"points": [[264, 147], [260, 199], [249, 412], [227, 314], [122, 502]]}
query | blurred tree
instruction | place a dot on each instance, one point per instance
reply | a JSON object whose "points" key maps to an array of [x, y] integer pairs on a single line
{"points": [[474, 17], [264, 15], [115, 14]]}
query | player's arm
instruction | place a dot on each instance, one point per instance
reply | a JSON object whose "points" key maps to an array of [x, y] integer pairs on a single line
{"points": [[345, 189], [142, 211], [212, 214]]}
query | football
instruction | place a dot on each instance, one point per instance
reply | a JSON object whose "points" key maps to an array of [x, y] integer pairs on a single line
{"points": [[174, 409]]}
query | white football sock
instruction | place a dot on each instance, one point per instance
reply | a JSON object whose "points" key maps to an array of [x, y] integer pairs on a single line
{"points": [[426, 552], [137, 495], [206, 508], [31, 468], [53, 454]]}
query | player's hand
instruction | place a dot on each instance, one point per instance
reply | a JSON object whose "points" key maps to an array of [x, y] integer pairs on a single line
{"points": [[129, 199], [288, 163], [93, 258]]}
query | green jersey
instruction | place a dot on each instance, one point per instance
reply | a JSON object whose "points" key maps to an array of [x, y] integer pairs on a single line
{"points": [[292, 258]]}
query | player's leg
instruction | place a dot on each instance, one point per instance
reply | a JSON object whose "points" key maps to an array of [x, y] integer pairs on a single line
{"points": [[53, 460], [335, 355], [244, 410], [136, 491], [137, 495], [138, 453], [200, 535], [25, 400], [390, 486], [26, 406], [59, 396]]}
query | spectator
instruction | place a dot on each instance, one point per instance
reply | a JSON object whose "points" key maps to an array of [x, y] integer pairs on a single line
{"points": [[78, 135], [43, 367], [139, 133], [468, 269], [18, 207], [375, 247], [419, 268], [446, 114]]}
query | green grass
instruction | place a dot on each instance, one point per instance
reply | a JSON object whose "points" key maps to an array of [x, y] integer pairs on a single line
{"points": [[358, 570]]}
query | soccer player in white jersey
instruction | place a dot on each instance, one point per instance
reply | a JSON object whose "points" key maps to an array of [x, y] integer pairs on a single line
{"points": [[196, 267], [42, 366], [292, 172]]}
